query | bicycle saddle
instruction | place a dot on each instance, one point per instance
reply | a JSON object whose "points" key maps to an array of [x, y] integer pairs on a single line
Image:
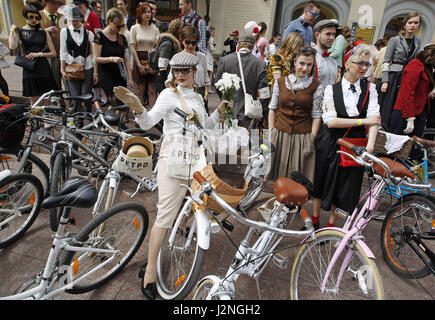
{"points": [[111, 117], [84, 97], [397, 169], [290, 192], [76, 192]]}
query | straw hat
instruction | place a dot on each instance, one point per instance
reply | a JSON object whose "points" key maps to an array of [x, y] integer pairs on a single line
{"points": [[138, 147]]}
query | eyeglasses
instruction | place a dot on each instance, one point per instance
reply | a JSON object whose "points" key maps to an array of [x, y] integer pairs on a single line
{"points": [[363, 64], [181, 70], [30, 17], [315, 14], [193, 43]]}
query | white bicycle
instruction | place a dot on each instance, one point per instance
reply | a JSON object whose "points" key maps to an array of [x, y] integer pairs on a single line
{"points": [[82, 262], [181, 257]]}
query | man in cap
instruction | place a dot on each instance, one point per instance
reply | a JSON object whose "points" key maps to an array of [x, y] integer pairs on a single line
{"points": [[91, 21], [302, 24], [254, 71], [232, 42], [50, 22], [326, 66]]}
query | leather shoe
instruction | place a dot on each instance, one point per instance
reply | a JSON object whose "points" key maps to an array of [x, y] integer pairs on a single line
{"points": [[150, 290]]}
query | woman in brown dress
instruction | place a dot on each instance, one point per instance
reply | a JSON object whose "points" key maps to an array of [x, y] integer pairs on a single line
{"points": [[295, 117]]}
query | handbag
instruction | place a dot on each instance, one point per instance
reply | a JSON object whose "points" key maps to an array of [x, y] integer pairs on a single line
{"points": [[253, 108], [345, 161], [22, 61], [185, 157], [76, 71]]}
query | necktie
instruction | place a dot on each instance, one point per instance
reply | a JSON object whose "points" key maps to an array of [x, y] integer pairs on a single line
{"points": [[77, 30], [352, 87], [326, 54], [53, 19]]}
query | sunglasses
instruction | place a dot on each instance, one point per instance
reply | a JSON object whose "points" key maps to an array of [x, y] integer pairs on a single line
{"points": [[120, 26], [181, 70], [363, 64], [193, 43], [30, 17], [315, 14]]}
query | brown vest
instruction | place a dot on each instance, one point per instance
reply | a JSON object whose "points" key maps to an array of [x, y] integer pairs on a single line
{"points": [[294, 112]]}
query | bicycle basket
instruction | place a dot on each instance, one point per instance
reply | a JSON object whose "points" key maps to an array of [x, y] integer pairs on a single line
{"points": [[12, 125], [380, 142], [231, 187]]}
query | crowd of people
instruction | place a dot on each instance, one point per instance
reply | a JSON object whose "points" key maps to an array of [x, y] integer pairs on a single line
{"points": [[315, 83]]}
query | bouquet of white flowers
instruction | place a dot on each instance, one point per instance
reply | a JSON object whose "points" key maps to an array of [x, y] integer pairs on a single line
{"points": [[228, 86]]}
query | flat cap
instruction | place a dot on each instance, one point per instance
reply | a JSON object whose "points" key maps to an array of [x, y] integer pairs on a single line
{"points": [[183, 60], [246, 37], [326, 23]]}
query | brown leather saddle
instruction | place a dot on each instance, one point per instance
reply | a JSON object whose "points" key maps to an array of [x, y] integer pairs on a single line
{"points": [[289, 192], [397, 169]]}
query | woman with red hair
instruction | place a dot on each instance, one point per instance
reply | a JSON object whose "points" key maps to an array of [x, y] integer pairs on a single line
{"points": [[143, 37]]}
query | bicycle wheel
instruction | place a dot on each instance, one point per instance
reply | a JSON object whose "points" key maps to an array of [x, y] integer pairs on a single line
{"points": [[22, 193], [203, 289], [360, 280], [33, 165], [122, 228], [414, 213], [179, 265], [58, 178], [429, 134]]}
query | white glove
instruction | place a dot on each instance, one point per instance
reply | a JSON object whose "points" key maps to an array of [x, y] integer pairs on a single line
{"points": [[129, 98], [409, 126]]}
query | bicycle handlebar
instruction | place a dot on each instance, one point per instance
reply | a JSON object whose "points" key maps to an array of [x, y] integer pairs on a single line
{"points": [[208, 189]]}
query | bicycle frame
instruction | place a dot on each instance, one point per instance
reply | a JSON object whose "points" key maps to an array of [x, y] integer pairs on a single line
{"points": [[60, 242]]}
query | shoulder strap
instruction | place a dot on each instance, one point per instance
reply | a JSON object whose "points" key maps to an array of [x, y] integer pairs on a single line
{"points": [[241, 72], [195, 24]]}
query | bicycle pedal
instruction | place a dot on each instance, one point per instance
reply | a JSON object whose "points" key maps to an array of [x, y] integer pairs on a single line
{"points": [[280, 261]]}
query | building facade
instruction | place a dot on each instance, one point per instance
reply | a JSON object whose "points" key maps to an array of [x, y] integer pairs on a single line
{"points": [[371, 19]]}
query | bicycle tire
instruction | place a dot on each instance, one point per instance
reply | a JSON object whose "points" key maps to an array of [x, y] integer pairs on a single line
{"points": [[429, 134], [56, 182], [120, 222], [321, 250], [21, 185], [398, 255], [9, 160], [203, 288], [178, 269]]}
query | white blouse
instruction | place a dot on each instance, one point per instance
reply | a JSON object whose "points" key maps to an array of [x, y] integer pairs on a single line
{"points": [[350, 101], [78, 39], [164, 108], [296, 84]]}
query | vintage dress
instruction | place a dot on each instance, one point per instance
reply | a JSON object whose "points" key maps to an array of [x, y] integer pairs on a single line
{"points": [[334, 184]]}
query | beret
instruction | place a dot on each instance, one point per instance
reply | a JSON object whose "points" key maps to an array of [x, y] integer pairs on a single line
{"points": [[183, 60], [325, 23]]}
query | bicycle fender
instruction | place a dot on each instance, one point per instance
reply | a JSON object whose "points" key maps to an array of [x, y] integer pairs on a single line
{"points": [[216, 286], [4, 174], [360, 242], [202, 229]]}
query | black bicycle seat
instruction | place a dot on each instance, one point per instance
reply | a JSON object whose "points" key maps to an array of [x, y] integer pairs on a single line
{"points": [[111, 117], [76, 192], [120, 108], [84, 97]]}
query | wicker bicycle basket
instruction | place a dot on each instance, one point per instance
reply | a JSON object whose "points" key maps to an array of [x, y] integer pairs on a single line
{"points": [[403, 153], [232, 190]]}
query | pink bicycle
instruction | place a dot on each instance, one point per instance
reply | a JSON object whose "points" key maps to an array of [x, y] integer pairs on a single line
{"points": [[336, 263]]}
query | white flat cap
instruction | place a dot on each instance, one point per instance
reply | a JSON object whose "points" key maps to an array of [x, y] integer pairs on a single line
{"points": [[183, 60]]}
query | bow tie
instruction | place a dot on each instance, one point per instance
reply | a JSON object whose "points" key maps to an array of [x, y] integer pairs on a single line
{"points": [[77, 30], [326, 54], [305, 24], [352, 87]]}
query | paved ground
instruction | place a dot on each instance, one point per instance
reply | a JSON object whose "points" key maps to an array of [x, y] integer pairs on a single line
{"points": [[27, 256]]}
